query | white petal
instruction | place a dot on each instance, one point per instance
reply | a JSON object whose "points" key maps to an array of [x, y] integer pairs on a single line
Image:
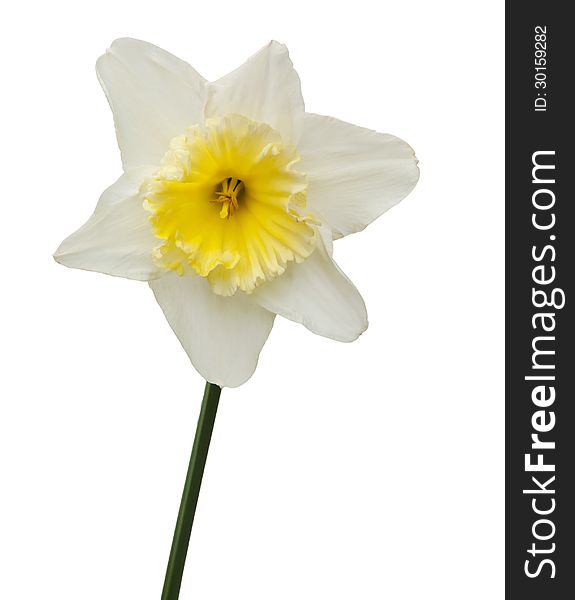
{"points": [[117, 239], [154, 97], [317, 294], [223, 336], [354, 174], [266, 88]]}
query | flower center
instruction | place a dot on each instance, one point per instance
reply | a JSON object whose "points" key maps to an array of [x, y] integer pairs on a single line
{"points": [[227, 195], [227, 204]]}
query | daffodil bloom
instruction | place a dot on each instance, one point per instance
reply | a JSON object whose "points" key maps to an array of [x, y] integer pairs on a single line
{"points": [[230, 200]]}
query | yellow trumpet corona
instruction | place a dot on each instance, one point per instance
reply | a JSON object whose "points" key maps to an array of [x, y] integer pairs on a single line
{"points": [[228, 203]]}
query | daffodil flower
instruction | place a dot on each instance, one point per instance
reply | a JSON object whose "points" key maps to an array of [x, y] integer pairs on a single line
{"points": [[230, 199], [228, 206]]}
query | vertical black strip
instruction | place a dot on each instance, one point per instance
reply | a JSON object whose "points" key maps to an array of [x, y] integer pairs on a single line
{"points": [[540, 259]]}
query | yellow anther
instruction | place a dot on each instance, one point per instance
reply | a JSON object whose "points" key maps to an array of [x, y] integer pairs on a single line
{"points": [[227, 196]]}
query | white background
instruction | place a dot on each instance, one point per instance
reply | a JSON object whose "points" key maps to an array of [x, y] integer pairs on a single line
{"points": [[371, 470]]}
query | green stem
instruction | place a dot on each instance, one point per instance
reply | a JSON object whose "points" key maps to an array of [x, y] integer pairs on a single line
{"points": [[181, 540]]}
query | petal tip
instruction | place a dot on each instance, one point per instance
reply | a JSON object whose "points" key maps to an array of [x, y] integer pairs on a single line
{"points": [[60, 254], [352, 337], [278, 46], [57, 257]]}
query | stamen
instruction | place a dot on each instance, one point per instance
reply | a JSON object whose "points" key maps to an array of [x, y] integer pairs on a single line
{"points": [[228, 196]]}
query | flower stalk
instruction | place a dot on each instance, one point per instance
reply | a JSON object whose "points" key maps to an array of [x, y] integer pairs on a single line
{"points": [[181, 540]]}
